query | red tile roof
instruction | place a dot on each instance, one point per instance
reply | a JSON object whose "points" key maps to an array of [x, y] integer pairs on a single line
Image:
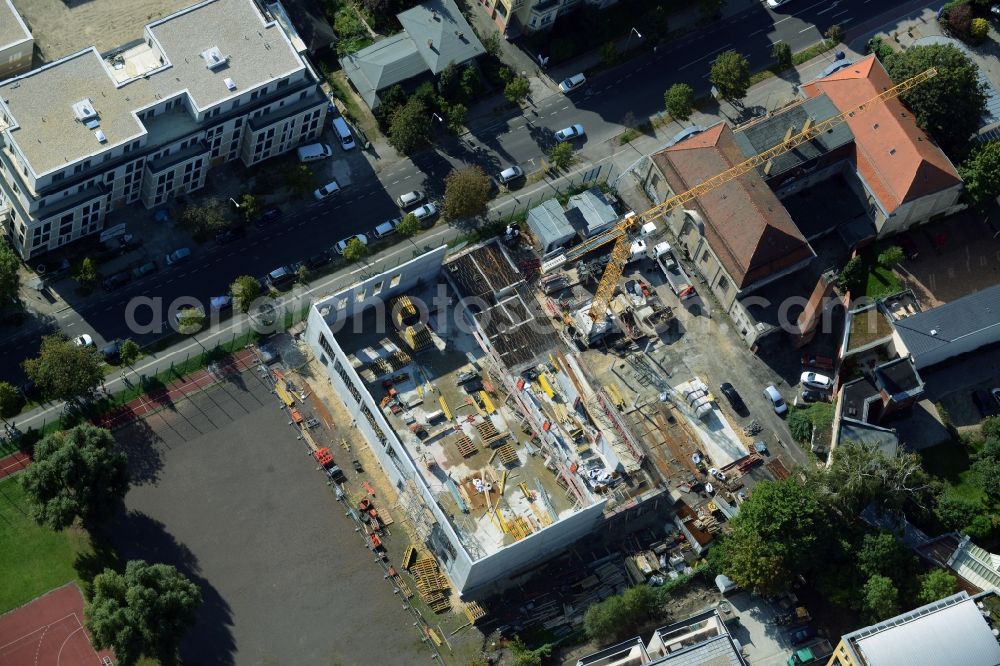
{"points": [[745, 224], [897, 160]]}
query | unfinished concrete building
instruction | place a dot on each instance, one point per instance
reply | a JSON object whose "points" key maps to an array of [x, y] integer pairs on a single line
{"points": [[502, 450]]}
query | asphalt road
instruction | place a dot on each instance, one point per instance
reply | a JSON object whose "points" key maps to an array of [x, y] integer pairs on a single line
{"points": [[601, 106]]}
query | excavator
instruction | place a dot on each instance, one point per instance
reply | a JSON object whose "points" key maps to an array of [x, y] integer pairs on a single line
{"points": [[621, 235]]}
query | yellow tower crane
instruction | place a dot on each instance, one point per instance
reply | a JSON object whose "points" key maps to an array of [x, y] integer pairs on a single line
{"points": [[619, 234]]}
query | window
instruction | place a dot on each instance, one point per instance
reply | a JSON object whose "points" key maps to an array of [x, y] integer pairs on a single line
{"points": [[723, 284], [704, 257], [325, 344]]}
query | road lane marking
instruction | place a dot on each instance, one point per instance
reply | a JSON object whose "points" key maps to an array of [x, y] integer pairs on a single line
{"points": [[806, 29], [708, 55]]}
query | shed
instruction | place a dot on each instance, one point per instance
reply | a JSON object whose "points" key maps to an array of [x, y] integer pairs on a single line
{"points": [[549, 225], [590, 213]]}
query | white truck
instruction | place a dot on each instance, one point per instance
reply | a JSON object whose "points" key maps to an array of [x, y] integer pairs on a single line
{"points": [[679, 282]]}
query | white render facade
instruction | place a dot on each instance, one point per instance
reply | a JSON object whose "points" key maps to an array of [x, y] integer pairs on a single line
{"points": [[90, 133], [16, 42]]}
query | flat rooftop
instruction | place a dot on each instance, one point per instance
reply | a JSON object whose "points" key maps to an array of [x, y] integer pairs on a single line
{"points": [[467, 444], [39, 104], [12, 27]]}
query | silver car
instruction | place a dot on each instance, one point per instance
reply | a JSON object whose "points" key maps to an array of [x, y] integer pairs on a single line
{"points": [[572, 83], [410, 198], [570, 133], [425, 212]]}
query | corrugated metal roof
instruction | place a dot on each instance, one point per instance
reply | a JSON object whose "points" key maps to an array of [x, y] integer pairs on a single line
{"points": [[548, 223], [950, 631], [590, 211], [947, 324]]}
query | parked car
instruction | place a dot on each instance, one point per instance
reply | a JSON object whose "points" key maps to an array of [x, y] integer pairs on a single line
{"points": [[985, 403], [177, 256], [996, 395], [272, 214], [777, 402], [572, 83], [318, 260], [280, 275], [387, 228], [143, 269], [735, 401], [112, 352], [327, 190], [410, 198], [117, 280], [229, 235], [570, 133], [342, 245], [816, 381], [220, 303], [83, 340], [510, 174], [801, 635], [774, 4], [425, 212], [810, 395]]}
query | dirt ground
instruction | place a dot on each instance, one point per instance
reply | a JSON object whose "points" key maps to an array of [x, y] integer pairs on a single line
{"points": [[63, 27]]}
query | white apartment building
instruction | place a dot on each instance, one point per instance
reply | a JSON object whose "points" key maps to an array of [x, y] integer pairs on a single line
{"points": [[92, 132], [16, 42]]}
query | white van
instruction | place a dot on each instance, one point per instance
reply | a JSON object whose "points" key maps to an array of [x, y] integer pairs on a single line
{"points": [[314, 151], [344, 132]]}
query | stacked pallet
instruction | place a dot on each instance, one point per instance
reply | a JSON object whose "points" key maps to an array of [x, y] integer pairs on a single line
{"points": [[507, 455], [418, 337], [488, 432], [474, 612], [432, 585], [466, 447]]}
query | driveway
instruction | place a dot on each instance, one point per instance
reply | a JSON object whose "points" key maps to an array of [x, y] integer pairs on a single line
{"points": [[763, 641]]}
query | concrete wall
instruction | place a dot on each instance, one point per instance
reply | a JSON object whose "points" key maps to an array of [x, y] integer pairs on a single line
{"points": [[920, 211]]}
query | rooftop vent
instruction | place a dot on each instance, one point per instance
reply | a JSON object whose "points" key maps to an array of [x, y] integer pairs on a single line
{"points": [[84, 110], [100, 136], [436, 16], [892, 151], [230, 84], [214, 58], [933, 331]]}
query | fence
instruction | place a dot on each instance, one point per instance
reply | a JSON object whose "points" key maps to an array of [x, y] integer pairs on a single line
{"points": [[562, 188]]}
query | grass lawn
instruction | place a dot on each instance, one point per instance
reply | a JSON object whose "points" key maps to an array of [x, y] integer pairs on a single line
{"points": [[33, 559], [881, 283], [950, 462]]}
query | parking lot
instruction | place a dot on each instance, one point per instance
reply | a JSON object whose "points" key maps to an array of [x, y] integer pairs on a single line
{"points": [[952, 385], [225, 492]]}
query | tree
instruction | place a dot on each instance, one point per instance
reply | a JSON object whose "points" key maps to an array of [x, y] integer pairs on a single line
{"points": [[86, 273], [471, 83], [129, 352], [657, 22], [561, 156], [143, 612], [78, 473], [10, 279], [880, 598], [466, 193], [852, 275], [730, 75], [10, 400], [302, 274], [986, 470], [609, 53], [454, 117], [890, 257], [448, 83], [783, 528], [835, 33], [990, 428], [409, 126], [517, 89], [879, 47], [621, 614], [250, 207], [205, 219], [883, 555], [301, 180], [408, 226], [800, 425], [948, 106], [190, 320], [522, 656], [935, 584], [679, 100], [355, 250], [244, 290], [782, 55], [861, 474], [959, 20], [64, 370], [978, 30], [491, 43], [981, 173]]}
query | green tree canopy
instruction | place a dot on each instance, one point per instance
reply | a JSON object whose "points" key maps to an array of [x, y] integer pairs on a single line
{"points": [[935, 584], [454, 117], [78, 473], [861, 474], [466, 193], [408, 226], [882, 554], [522, 656], [86, 273], [244, 290], [10, 400], [190, 320], [561, 155], [890, 257], [679, 100], [730, 75], [129, 352], [204, 220], [621, 614], [880, 598], [355, 250], [409, 127], [782, 529], [10, 279], [63, 370], [981, 173], [300, 179], [142, 613], [949, 106], [517, 89], [250, 207], [781, 53], [852, 275]]}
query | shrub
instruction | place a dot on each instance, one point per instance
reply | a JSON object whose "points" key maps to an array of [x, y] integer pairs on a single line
{"points": [[800, 425], [959, 20], [979, 28], [782, 55]]}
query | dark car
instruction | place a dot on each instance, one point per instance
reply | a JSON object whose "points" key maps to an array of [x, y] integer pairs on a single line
{"points": [[143, 269], [269, 216], [984, 403], [229, 235], [735, 401], [112, 352], [318, 260], [812, 395], [117, 280], [801, 635]]}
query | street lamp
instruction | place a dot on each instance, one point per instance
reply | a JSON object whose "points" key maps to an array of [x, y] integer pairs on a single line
{"points": [[437, 117], [629, 40]]}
